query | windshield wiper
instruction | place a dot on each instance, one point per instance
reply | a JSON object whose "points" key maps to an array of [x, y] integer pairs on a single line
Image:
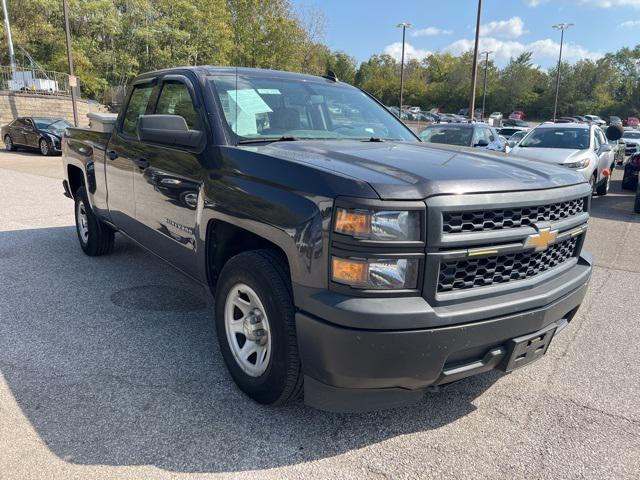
{"points": [[374, 139], [284, 138]]}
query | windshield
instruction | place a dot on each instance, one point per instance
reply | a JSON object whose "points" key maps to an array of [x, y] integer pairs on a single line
{"points": [[570, 138], [634, 135], [449, 135], [266, 108], [51, 123]]}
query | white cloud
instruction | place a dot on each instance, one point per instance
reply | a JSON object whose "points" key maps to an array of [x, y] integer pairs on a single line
{"points": [[430, 32], [630, 24], [512, 28], [410, 52], [543, 50], [593, 3]]}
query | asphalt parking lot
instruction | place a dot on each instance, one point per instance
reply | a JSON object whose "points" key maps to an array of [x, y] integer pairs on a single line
{"points": [[109, 368]]}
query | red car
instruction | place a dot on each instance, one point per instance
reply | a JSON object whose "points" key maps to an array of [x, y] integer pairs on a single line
{"points": [[517, 115], [632, 122]]}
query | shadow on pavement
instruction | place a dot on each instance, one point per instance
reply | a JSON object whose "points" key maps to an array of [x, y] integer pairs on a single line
{"points": [[616, 205], [114, 361]]}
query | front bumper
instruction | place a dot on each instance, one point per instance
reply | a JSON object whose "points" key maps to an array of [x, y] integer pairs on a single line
{"points": [[355, 369]]}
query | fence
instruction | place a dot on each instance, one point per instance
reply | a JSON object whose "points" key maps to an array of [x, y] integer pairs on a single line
{"points": [[32, 80]]}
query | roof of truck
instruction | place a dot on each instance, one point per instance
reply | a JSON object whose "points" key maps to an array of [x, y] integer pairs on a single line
{"points": [[213, 70]]}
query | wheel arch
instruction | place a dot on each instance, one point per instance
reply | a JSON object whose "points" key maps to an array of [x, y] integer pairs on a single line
{"points": [[76, 178]]}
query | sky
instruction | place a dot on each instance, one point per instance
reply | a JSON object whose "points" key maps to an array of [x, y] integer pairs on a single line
{"points": [[509, 27]]}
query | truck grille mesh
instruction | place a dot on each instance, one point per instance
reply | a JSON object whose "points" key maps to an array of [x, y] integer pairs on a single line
{"points": [[491, 270], [484, 220]]}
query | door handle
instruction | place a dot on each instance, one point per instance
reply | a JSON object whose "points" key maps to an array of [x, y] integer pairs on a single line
{"points": [[141, 163], [112, 155]]}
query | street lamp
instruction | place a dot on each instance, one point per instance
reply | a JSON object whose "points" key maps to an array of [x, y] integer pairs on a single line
{"points": [[562, 27], [404, 27], [474, 72], [486, 53]]}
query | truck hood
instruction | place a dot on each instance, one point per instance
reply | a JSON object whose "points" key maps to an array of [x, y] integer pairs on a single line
{"points": [[404, 171], [556, 156]]}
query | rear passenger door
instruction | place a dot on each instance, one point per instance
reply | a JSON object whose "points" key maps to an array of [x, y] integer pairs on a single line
{"points": [[167, 185]]}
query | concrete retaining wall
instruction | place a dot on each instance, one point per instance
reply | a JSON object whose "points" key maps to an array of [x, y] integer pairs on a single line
{"points": [[14, 105]]}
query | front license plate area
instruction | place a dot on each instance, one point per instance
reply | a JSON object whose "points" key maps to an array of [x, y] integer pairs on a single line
{"points": [[523, 350]]}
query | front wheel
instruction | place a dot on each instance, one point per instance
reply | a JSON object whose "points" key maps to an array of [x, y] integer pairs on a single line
{"points": [[255, 323], [96, 238], [603, 188], [45, 149]]}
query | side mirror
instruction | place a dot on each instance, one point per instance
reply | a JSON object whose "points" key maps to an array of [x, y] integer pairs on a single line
{"points": [[482, 143], [605, 148], [169, 130], [614, 132]]}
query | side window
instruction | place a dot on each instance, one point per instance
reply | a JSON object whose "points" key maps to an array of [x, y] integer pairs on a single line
{"points": [[175, 100], [596, 140], [137, 106], [489, 134], [28, 123]]}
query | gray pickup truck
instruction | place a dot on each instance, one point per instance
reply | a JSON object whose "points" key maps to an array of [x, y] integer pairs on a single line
{"points": [[349, 261]]}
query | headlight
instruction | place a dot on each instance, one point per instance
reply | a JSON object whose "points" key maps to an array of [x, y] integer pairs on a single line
{"points": [[380, 225], [584, 163], [376, 274]]}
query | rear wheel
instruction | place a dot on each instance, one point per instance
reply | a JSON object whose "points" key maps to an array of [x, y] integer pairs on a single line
{"points": [[8, 143], [96, 238], [255, 323], [628, 181]]}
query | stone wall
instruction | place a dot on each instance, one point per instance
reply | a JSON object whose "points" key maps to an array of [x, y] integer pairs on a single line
{"points": [[14, 105]]}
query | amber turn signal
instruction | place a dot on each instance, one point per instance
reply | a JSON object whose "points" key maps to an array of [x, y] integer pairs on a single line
{"points": [[349, 271], [353, 222]]}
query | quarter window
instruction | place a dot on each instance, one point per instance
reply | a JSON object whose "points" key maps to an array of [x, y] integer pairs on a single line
{"points": [[175, 99], [137, 107]]}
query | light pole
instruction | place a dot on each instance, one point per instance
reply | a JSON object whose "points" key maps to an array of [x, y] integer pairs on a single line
{"points": [[72, 77], [474, 72], [484, 89], [7, 27], [562, 27], [404, 27]]}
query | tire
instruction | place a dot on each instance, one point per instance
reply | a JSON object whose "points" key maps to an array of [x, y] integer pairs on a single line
{"points": [[8, 144], [279, 378], [628, 181], [593, 182], [96, 238], [636, 204], [603, 188], [45, 149]]}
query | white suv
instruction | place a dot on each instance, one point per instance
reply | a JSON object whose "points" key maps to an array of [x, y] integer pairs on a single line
{"points": [[573, 145]]}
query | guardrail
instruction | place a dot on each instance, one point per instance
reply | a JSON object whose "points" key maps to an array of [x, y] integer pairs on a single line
{"points": [[33, 80]]}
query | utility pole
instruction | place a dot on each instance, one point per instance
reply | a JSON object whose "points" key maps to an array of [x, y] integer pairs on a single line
{"points": [[73, 82], [562, 27], [484, 90], [7, 27], [474, 73], [404, 27]]}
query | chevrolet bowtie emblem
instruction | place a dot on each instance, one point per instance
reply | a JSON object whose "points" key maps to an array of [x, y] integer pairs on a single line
{"points": [[541, 240]]}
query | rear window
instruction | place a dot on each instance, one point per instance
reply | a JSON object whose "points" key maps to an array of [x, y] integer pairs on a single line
{"points": [[448, 135]]}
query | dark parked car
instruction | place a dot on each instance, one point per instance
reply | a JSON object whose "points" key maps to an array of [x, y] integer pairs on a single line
{"points": [[464, 135], [630, 177], [40, 133], [514, 122], [349, 261]]}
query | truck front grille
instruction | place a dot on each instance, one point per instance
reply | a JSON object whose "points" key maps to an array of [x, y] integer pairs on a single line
{"points": [[484, 220], [463, 274]]}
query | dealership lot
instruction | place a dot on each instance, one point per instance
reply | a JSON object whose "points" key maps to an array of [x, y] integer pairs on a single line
{"points": [[109, 368]]}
